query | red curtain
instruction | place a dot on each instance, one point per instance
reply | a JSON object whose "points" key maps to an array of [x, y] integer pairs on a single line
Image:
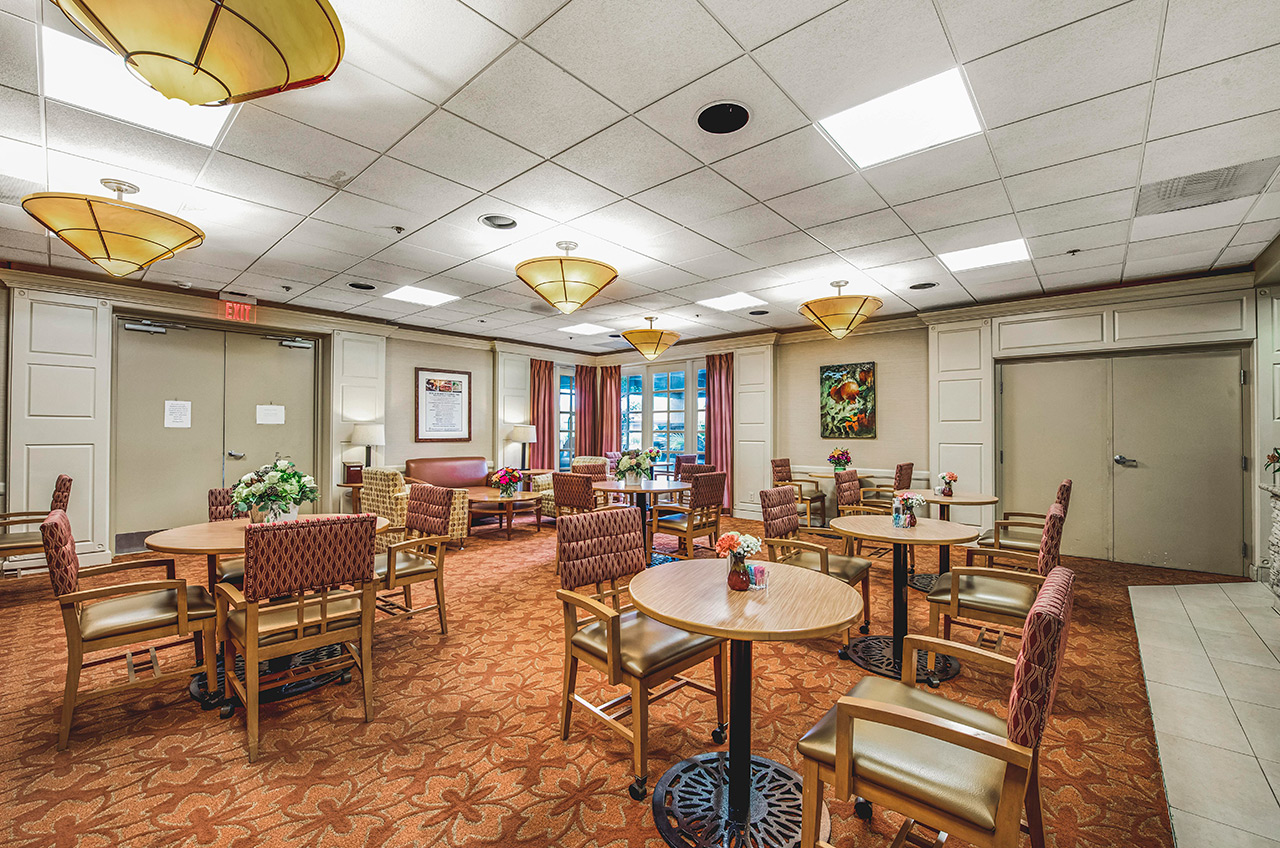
{"points": [[542, 402], [586, 436], [610, 408], [720, 418]]}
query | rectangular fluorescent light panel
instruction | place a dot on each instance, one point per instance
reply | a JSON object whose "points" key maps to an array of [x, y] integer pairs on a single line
{"points": [[585, 329], [91, 77], [425, 297], [922, 115], [1000, 253], [729, 302]]}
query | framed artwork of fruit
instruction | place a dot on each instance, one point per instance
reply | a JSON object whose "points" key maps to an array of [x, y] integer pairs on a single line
{"points": [[847, 401]]}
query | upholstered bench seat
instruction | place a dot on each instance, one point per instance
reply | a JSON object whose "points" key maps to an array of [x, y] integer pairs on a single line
{"points": [[647, 646], [986, 594], [143, 611]]}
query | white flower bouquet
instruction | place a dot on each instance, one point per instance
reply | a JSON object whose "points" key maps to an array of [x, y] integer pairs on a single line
{"points": [[637, 461], [274, 490]]}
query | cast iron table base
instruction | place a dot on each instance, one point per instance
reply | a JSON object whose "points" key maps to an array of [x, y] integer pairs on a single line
{"points": [[213, 700], [875, 654]]}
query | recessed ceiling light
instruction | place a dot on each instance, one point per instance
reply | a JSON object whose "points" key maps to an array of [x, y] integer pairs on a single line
{"points": [[924, 114], [85, 75], [758, 312], [741, 300], [498, 222], [586, 329], [723, 118], [361, 286], [1000, 253], [426, 297], [922, 286]]}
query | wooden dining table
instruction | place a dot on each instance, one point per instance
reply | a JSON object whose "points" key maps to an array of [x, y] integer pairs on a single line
{"points": [[925, 582], [738, 798], [492, 502]]}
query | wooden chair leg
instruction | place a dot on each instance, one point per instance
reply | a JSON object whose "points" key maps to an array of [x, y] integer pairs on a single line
{"points": [[1035, 814], [366, 668], [866, 600], [640, 729], [251, 699], [444, 623], [75, 660], [407, 591], [810, 804], [570, 681]]}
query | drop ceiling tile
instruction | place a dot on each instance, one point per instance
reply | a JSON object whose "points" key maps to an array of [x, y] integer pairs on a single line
{"points": [[418, 258], [751, 281], [1243, 254], [355, 105], [1267, 207], [349, 282], [625, 222], [396, 184], [288, 250], [271, 267], [938, 170], [334, 237], [1077, 214], [1085, 238], [754, 22], [800, 159], [205, 208], [248, 180], [822, 268], [263, 287], [18, 65], [13, 217], [1183, 243], [360, 213], [386, 272], [677, 245], [743, 226], [948, 293], [460, 233], [387, 310], [843, 197], [860, 230], [1086, 129], [623, 289], [235, 237], [887, 252], [331, 299], [1258, 231], [1081, 278], [741, 81], [1217, 93], [1023, 287], [979, 277], [973, 234], [986, 200], [463, 152], [287, 145], [1107, 172], [25, 240], [782, 249], [694, 293], [516, 18], [722, 264], [655, 301], [1245, 140], [21, 115], [448, 285], [1224, 214], [526, 99], [665, 278], [805, 60], [1095, 258], [226, 255], [627, 157], [102, 139], [29, 9], [508, 316], [437, 316], [1104, 53], [1180, 264], [1236, 27], [428, 47], [634, 51], [979, 27], [483, 274], [472, 307], [555, 193], [905, 273], [694, 197]]}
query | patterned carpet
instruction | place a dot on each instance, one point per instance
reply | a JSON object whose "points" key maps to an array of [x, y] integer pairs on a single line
{"points": [[464, 750]]}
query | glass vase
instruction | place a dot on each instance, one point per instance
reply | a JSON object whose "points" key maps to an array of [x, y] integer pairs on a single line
{"points": [[946, 490], [739, 579]]}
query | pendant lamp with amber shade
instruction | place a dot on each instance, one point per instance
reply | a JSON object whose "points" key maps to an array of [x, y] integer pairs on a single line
{"points": [[651, 342], [841, 314], [117, 236], [566, 282], [215, 52]]}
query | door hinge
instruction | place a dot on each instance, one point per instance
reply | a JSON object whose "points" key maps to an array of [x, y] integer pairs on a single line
{"points": [[1244, 549], [1002, 387], [1002, 457], [1244, 463], [1244, 377]]}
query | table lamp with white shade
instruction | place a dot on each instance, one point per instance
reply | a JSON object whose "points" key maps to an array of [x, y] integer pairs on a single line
{"points": [[369, 435], [524, 434]]}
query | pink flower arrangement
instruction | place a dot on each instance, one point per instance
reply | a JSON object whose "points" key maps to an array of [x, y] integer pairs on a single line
{"points": [[840, 457], [507, 477], [948, 477], [737, 543]]}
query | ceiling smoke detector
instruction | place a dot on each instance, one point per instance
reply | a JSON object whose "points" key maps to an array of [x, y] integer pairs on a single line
{"points": [[723, 117]]}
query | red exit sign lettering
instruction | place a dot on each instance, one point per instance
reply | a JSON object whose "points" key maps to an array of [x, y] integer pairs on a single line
{"points": [[245, 313]]}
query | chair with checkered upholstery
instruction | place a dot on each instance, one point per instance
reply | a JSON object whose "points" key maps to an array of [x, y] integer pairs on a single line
{"points": [[20, 542], [419, 558], [384, 494], [697, 518], [222, 508], [1015, 539], [814, 499]]}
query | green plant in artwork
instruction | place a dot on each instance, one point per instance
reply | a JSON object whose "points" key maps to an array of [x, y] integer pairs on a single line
{"points": [[847, 401]]}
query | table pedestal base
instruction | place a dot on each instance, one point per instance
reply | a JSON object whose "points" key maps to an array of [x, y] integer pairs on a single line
{"points": [[211, 700], [691, 805], [875, 654]]}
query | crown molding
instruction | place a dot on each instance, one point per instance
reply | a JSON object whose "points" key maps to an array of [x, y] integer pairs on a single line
{"points": [[691, 350]]}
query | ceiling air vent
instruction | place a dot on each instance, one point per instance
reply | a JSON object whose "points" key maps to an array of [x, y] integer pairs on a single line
{"points": [[1206, 187], [13, 189]]}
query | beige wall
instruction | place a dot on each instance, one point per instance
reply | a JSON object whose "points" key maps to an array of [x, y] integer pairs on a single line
{"points": [[902, 399], [404, 356]]}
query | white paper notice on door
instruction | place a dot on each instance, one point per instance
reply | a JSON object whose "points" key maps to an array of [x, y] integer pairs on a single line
{"points": [[177, 413], [270, 414]]}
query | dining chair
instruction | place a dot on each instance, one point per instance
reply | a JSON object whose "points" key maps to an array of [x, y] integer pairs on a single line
{"points": [[782, 539], [817, 498], [849, 500], [308, 584], [943, 764], [700, 517], [572, 494], [1016, 538], [612, 457], [126, 614], [879, 499], [681, 461], [417, 559], [222, 508], [30, 541], [384, 494], [602, 549]]}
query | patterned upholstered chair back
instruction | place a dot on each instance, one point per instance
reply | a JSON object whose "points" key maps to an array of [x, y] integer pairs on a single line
{"points": [[781, 515], [688, 472], [599, 547], [427, 512], [1064, 495], [613, 457], [597, 471], [220, 505], [681, 461], [60, 553], [573, 492], [1051, 540], [706, 498], [61, 493], [293, 557], [848, 488], [781, 470], [379, 496], [1044, 644], [902, 475]]}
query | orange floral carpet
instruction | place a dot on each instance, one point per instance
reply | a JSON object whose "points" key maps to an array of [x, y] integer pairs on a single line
{"points": [[464, 747]]}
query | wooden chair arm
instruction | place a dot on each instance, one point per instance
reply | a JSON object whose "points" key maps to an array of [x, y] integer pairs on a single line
{"points": [[82, 595], [416, 542], [409, 480], [1003, 573], [604, 612], [110, 567], [37, 514], [229, 592], [1040, 515], [800, 484], [17, 522], [977, 656], [1037, 525], [606, 615]]}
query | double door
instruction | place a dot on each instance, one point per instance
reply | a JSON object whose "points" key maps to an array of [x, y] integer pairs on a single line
{"points": [[1155, 445], [250, 398]]}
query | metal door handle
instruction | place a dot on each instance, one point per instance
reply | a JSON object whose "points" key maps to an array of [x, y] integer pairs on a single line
{"points": [[235, 454], [1121, 459]]}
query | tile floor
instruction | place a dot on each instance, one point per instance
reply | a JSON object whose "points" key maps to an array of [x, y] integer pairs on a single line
{"points": [[1211, 659]]}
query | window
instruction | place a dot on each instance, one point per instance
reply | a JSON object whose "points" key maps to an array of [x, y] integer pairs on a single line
{"points": [[567, 405], [633, 412], [702, 415], [668, 414]]}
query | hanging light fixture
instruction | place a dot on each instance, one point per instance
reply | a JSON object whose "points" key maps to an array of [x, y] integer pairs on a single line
{"points": [[118, 236], [649, 341], [215, 52], [566, 282], [839, 315]]}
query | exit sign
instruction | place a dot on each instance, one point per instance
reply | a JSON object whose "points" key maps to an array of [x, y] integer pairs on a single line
{"points": [[245, 313]]}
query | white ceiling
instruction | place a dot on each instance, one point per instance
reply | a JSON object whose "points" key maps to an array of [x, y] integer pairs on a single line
{"points": [[578, 120]]}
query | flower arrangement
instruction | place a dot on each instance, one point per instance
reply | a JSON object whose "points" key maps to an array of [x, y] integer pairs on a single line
{"points": [[905, 506], [840, 458], [506, 479], [1273, 460], [910, 501], [638, 461], [273, 491], [947, 478], [738, 546]]}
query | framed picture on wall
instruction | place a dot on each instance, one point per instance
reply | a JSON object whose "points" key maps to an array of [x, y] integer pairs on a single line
{"points": [[847, 401], [442, 405]]}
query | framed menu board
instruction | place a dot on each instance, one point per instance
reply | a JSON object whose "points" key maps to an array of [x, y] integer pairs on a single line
{"points": [[442, 405]]}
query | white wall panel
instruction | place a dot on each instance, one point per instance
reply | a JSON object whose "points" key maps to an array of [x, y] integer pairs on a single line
{"points": [[753, 393], [511, 396], [961, 411], [358, 372]]}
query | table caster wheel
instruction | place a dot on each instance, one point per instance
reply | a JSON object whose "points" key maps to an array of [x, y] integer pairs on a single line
{"points": [[844, 654], [864, 629], [345, 678], [718, 735], [862, 809], [226, 711], [933, 681], [637, 789]]}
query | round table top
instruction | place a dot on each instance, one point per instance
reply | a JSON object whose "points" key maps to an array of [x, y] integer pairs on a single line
{"points": [[644, 486], [489, 494], [928, 531], [215, 537], [956, 498], [351, 485], [821, 475], [694, 595]]}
